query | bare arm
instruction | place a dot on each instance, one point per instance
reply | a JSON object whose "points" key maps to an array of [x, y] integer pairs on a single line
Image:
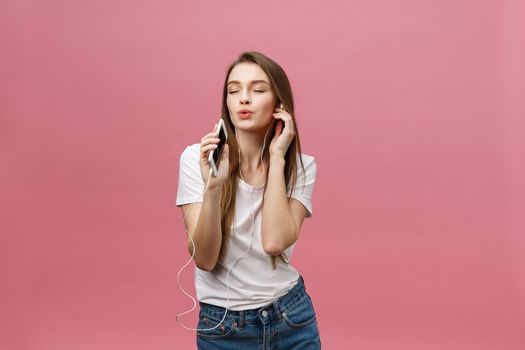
{"points": [[204, 219], [281, 218], [204, 225]]}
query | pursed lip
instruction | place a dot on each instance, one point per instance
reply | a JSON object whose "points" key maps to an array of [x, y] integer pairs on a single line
{"points": [[244, 111], [245, 114]]}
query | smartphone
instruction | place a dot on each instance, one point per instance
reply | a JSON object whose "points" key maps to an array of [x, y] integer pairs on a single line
{"points": [[215, 154]]}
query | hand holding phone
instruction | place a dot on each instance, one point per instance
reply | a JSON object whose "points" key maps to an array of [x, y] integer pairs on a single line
{"points": [[215, 156], [214, 159]]}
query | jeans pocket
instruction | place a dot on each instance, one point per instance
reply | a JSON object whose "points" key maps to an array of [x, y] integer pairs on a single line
{"points": [[225, 329], [301, 314]]}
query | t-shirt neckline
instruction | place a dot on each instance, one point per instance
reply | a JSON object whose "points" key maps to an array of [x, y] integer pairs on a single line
{"points": [[250, 187]]}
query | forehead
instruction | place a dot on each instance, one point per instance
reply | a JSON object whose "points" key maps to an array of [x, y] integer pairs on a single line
{"points": [[246, 72]]}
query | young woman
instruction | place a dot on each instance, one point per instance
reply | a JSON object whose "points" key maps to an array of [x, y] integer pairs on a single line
{"points": [[243, 229]]}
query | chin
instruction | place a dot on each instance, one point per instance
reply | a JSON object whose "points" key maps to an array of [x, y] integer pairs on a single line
{"points": [[250, 125]]}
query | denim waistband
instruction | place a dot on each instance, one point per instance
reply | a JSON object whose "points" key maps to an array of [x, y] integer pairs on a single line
{"points": [[263, 314]]}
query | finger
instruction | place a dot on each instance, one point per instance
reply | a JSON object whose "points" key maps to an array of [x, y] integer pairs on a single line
{"points": [[287, 121], [279, 127], [214, 140], [209, 147], [288, 124], [205, 150], [210, 135]]}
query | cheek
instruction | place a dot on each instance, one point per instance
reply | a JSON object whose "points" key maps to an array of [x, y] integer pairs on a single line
{"points": [[268, 103]]}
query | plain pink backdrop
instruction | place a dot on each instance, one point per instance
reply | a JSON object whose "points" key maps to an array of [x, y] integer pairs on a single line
{"points": [[414, 111]]}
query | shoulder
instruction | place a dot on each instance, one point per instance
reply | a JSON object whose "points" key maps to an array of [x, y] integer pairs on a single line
{"points": [[307, 158], [309, 163], [190, 156], [192, 149], [191, 152]]}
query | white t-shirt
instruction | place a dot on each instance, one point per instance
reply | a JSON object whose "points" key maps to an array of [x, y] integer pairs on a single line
{"points": [[253, 281]]}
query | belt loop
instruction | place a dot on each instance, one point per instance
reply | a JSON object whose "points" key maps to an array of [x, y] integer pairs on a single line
{"points": [[241, 319], [277, 310]]}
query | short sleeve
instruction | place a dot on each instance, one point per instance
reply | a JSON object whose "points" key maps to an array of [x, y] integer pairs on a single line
{"points": [[190, 185], [304, 187]]}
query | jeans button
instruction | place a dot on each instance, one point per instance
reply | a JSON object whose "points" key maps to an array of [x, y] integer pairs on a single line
{"points": [[264, 313]]}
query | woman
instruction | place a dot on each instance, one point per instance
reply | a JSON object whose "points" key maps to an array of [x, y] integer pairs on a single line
{"points": [[243, 230]]}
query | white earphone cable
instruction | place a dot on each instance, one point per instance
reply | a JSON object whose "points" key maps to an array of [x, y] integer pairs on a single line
{"points": [[193, 246]]}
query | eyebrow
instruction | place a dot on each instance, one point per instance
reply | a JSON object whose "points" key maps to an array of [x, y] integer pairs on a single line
{"points": [[252, 82]]}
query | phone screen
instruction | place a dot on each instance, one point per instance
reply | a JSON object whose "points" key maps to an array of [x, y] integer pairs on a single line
{"points": [[218, 153]]}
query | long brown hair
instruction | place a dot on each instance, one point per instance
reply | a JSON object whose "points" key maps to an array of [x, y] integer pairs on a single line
{"points": [[283, 91]]}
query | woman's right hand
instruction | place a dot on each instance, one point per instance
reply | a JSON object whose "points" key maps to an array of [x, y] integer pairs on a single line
{"points": [[209, 142]]}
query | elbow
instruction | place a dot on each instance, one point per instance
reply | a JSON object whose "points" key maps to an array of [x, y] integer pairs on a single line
{"points": [[275, 246], [273, 249], [204, 264], [208, 266]]}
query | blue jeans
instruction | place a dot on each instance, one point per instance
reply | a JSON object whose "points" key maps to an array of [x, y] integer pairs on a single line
{"points": [[287, 323]]}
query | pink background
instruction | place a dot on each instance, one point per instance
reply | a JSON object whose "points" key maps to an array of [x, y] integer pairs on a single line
{"points": [[413, 109]]}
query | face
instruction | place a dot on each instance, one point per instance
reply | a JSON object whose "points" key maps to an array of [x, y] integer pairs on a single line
{"points": [[249, 89]]}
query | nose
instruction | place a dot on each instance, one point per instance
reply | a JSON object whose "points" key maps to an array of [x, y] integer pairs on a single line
{"points": [[245, 97]]}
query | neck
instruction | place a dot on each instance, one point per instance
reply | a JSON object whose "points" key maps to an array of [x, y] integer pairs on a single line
{"points": [[250, 145]]}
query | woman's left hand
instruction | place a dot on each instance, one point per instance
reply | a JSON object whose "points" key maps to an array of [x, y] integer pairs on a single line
{"points": [[283, 136]]}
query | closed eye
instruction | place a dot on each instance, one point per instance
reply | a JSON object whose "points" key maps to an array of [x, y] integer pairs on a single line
{"points": [[232, 92]]}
